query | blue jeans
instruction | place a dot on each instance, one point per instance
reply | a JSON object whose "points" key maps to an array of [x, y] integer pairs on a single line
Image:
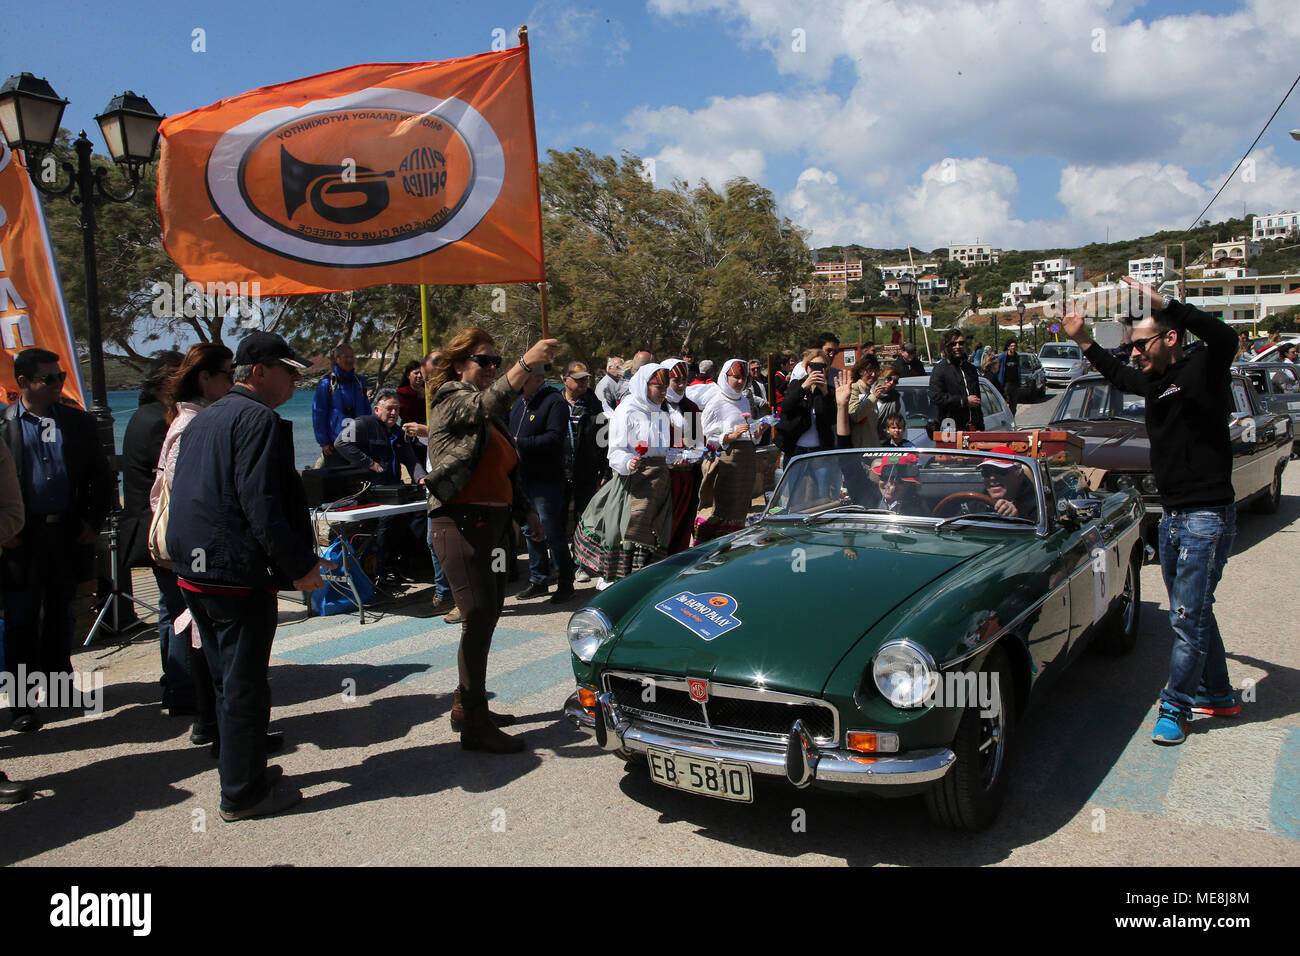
{"points": [[177, 680], [1194, 547], [441, 587], [236, 632], [548, 502]]}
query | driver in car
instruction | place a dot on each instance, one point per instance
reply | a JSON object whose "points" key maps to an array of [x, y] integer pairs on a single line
{"points": [[1005, 482]]}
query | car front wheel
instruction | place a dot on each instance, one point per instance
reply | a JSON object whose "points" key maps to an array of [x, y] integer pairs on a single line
{"points": [[970, 795], [1269, 501]]}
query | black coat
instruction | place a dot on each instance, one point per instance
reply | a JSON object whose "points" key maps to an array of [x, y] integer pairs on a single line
{"points": [[590, 462], [796, 416], [141, 446], [949, 388], [90, 481], [237, 500], [540, 426]]}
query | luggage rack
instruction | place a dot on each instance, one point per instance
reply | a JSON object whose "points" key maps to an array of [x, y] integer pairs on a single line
{"points": [[1058, 447]]}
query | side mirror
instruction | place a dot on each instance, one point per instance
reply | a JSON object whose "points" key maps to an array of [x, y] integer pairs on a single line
{"points": [[1074, 513]]}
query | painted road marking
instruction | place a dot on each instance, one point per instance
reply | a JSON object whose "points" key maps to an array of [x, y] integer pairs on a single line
{"points": [[1226, 781]]}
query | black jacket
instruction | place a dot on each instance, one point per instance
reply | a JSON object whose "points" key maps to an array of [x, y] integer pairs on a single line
{"points": [[373, 441], [1187, 411], [540, 426], [238, 510], [90, 480], [949, 388], [796, 416], [590, 463], [141, 446]]}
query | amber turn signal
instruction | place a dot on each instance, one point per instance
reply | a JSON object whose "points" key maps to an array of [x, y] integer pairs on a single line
{"points": [[587, 698], [862, 742]]}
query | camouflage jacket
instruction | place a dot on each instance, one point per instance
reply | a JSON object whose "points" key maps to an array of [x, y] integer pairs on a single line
{"points": [[460, 415]]}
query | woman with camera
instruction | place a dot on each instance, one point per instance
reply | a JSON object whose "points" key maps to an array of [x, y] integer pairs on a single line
{"points": [[473, 493], [808, 411]]}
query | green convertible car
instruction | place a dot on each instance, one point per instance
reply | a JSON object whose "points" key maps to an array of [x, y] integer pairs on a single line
{"points": [[881, 629]]}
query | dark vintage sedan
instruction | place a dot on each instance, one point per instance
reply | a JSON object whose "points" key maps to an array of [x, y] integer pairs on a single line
{"points": [[1278, 385], [881, 630], [1113, 428]]}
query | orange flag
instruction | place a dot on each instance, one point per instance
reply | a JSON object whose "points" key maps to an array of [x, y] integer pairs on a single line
{"points": [[402, 173], [32, 310]]}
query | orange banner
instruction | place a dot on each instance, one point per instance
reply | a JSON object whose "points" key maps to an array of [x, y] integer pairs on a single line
{"points": [[32, 311], [403, 173]]}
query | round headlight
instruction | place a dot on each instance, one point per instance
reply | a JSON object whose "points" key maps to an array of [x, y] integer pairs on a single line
{"points": [[1125, 483], [1149, 486], [588, 629], [905, 673]]}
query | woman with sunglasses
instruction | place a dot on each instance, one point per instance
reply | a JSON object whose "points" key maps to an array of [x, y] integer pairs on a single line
{"points": [[628, 524], [728, 486], [474, 492], [205, 375]]}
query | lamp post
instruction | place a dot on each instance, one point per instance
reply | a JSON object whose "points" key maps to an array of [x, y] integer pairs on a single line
{"points": [[1020, 327], [30, 112], [907, 289]]}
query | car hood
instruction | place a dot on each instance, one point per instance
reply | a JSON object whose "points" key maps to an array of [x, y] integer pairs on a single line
{"points": [[1113, 445], [779, 605]]}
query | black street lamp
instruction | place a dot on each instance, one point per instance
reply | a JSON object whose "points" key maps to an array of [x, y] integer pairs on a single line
{"points": [[1020, 328], [30, 112], [907, 289]]}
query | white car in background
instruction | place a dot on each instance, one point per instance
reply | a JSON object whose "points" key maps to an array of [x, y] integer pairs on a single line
{"points": [[1063, 362], [915, 392], [1270, 354]]}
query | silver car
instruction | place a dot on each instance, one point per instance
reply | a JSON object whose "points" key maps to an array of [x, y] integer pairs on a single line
{"points": [[915, 392], [1278, 384], [1063, 362]]}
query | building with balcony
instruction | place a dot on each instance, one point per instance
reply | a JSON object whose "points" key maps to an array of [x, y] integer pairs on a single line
{"points": [[973, 253], [1241, 298], [836, 276], [1275, 225], [1056, 270], [1235, 250], [906, 268], [1151, 270]]}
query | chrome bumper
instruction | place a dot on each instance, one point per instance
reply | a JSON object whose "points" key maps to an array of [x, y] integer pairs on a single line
{"points": [[801, 762]]}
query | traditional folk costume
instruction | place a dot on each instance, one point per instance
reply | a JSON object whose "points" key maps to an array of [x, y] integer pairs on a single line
{"points": [[727, 487], [685, 416], [628, 523]]}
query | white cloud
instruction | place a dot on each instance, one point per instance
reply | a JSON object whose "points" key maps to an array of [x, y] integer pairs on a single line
{"points": [[1126, 109]]}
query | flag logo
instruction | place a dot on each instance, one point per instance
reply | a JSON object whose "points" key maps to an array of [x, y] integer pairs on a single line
{"points": [[372, 178]]}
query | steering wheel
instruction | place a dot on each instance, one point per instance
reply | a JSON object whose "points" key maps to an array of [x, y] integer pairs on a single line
{"points": [[961, 496]]}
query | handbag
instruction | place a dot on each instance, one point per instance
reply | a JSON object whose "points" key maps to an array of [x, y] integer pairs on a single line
{"points": [[158, 530]]}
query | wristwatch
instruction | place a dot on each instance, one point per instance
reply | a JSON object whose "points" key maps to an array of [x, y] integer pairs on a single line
{"points": [[1166, 302]]}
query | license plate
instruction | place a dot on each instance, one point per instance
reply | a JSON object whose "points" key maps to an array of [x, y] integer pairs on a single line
{"points": [[713, 778]]}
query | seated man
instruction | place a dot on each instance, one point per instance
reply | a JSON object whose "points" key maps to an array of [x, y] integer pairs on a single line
{"points": [[1012, 491], [376, 442]]}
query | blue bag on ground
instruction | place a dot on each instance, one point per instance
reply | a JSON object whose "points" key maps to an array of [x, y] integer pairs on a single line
{"points": [[336, 596]]}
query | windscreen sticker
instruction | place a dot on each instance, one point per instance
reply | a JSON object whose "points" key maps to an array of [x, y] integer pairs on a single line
{"points": [[707, 615]]}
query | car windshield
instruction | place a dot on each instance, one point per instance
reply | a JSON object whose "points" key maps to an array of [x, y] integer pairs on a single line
{"points": [[916, 404], [1098, 400], [1059, 350], [921, 487]]}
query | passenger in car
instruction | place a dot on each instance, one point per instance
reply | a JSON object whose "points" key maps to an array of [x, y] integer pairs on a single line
{"points": [[900, 484]]}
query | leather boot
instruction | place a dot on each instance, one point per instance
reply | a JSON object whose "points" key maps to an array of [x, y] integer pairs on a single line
{"points": [[479, 733], [458, 714]]}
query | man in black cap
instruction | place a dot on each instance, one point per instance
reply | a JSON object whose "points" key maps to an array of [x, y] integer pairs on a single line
{"points": [[912, 361], [240, 532]]}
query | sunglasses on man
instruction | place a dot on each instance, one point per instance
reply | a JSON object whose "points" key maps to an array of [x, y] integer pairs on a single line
{"points": [[51, 379], [1141, 344]]}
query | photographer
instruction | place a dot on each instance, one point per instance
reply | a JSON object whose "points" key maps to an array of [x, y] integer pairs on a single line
{"points": [[808, 411]]}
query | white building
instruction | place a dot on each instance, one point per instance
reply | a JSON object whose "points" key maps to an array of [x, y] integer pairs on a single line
{"points": [[1239, 248], [932, 285], [1018, 291], [1275, 225], [1152, 269], [1228, 272], [1243, 298], [973, 253], [1056, 270], [906, 269]]}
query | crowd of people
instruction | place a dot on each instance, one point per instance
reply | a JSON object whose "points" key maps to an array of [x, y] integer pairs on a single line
{"points": [[604, 480]]}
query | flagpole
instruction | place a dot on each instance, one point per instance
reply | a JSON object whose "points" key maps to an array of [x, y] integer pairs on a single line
{"points": [[532, 129], [424, 329]]}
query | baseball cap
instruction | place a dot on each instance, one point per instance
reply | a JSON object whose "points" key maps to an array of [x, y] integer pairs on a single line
{"points": [[576, 370], [1000, 462], [898, 468], [909, 347], [263, 348]]}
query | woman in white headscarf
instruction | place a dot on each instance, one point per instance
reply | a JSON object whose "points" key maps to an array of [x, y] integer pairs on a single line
{"points": [[628, 523], [687, 433], [728, 485]]}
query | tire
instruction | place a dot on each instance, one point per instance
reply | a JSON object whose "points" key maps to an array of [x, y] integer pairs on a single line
{"points": [[970, 795], [1268, 503], [1119, 632]]}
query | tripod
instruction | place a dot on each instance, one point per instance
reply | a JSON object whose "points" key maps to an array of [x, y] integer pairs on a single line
{"points": [[115, 593]]}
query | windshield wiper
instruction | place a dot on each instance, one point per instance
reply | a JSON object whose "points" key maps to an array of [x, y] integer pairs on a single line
{"points": [[838, 510], [985, 516]]}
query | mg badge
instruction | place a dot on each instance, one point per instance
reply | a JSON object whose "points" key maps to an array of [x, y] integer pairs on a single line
{"points": [[699, 690]]}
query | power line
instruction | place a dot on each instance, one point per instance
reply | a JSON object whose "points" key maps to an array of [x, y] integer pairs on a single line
{"points": [[1243, 158]]}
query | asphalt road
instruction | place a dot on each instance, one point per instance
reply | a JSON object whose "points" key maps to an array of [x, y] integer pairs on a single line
{"points": [[364, 709]]}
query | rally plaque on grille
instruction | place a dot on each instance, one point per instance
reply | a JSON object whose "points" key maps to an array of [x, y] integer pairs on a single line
{"points": [[713, 778]]}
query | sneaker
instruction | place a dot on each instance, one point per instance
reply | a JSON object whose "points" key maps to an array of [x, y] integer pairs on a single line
{"points": [[1171, 726], [454, 617], [581, 576], [601, 584], [281, 797], [443, 603], [563, 591], [1217, 705], [534, 590]]}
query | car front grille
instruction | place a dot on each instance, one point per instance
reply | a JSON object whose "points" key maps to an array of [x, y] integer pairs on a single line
{"points": [[731, 710]]}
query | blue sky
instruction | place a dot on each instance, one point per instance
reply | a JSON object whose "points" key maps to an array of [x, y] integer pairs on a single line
{"points": [[1024, 123]]}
